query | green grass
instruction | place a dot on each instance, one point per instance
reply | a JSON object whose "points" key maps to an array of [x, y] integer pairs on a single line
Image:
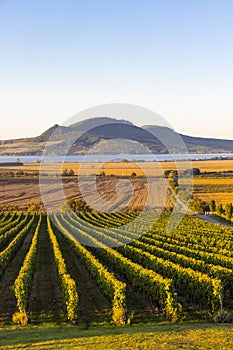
{"points": [[151, 336]]}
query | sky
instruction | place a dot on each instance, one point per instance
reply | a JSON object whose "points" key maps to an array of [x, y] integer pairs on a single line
{"points": [[59, 57]]}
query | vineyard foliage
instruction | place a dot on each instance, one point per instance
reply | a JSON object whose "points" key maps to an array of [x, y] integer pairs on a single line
{"points": [[8, 253], [23, 282], [190, 266], [67, 283]]}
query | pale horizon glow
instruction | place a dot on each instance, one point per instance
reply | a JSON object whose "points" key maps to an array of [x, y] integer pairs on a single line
{"points": [[61, 57]]}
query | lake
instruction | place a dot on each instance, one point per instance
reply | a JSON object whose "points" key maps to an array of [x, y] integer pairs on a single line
{"points": [[106, 158]]}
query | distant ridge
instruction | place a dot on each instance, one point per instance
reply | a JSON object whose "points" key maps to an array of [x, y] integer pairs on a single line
{"points": [[200, 144], [92, 132], [95, 122]]}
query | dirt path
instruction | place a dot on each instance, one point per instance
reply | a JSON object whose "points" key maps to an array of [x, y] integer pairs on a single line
{"points": [[211, 220], [183, 208], [46, 299], [7, 299]]}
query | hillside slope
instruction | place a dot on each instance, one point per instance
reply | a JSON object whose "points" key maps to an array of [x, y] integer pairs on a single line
{"points": [[91, 133]]}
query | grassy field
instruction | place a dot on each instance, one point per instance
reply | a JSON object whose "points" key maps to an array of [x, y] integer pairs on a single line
{"points": [[152, 336]]}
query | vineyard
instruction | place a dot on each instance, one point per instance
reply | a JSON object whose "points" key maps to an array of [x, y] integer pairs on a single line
{"points": [[95, 268]]}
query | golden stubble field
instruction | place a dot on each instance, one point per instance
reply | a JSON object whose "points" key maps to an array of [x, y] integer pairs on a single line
{"points": [[126, 167], [22, 190], [218, 188], [221, 190], [110, 194]]}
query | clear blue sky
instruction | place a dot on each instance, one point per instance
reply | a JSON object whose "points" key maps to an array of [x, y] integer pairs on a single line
{"points": [[61, 56]]}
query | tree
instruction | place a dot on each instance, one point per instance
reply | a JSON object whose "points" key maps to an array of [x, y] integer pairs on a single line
{"points": [[102, 173], [199, 206], [67, 172], [77, 205], [220, 210], [173, 179], [167, 173], [212, 206], [206, 208], [196, 171], [229, 211], [20, 173]]}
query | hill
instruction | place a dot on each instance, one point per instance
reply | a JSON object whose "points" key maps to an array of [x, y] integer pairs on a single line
{"points": [[90, 134]]}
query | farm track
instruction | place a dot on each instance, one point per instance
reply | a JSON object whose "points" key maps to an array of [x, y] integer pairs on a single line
{"points": [[7, 298], [211, 220], [46, 299], [93, 305]]}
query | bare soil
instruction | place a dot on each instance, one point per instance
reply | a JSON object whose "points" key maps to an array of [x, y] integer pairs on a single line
{"points": [[109, 194]]}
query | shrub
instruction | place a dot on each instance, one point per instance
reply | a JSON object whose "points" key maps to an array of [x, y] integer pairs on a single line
{"points": [[224, 317], [119, 316], [20, 318]]}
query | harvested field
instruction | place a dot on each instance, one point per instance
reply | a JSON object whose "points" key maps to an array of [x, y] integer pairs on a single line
{"points": [[223, 198], [214, 165], [220, 189], [152, 168], [21, 191]]}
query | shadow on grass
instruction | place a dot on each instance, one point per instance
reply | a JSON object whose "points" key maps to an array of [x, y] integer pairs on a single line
{"points": [[13, 335]]}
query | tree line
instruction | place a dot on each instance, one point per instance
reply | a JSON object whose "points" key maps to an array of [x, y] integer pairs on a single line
{"points": [[202, 207]]}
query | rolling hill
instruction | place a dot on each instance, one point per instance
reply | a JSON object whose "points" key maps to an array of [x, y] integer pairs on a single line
{"points": [[90, 134]]}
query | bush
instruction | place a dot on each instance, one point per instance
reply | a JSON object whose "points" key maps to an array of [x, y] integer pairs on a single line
{"points": [[35, 207], [119, 316], [20, 318], [224, 317]]}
